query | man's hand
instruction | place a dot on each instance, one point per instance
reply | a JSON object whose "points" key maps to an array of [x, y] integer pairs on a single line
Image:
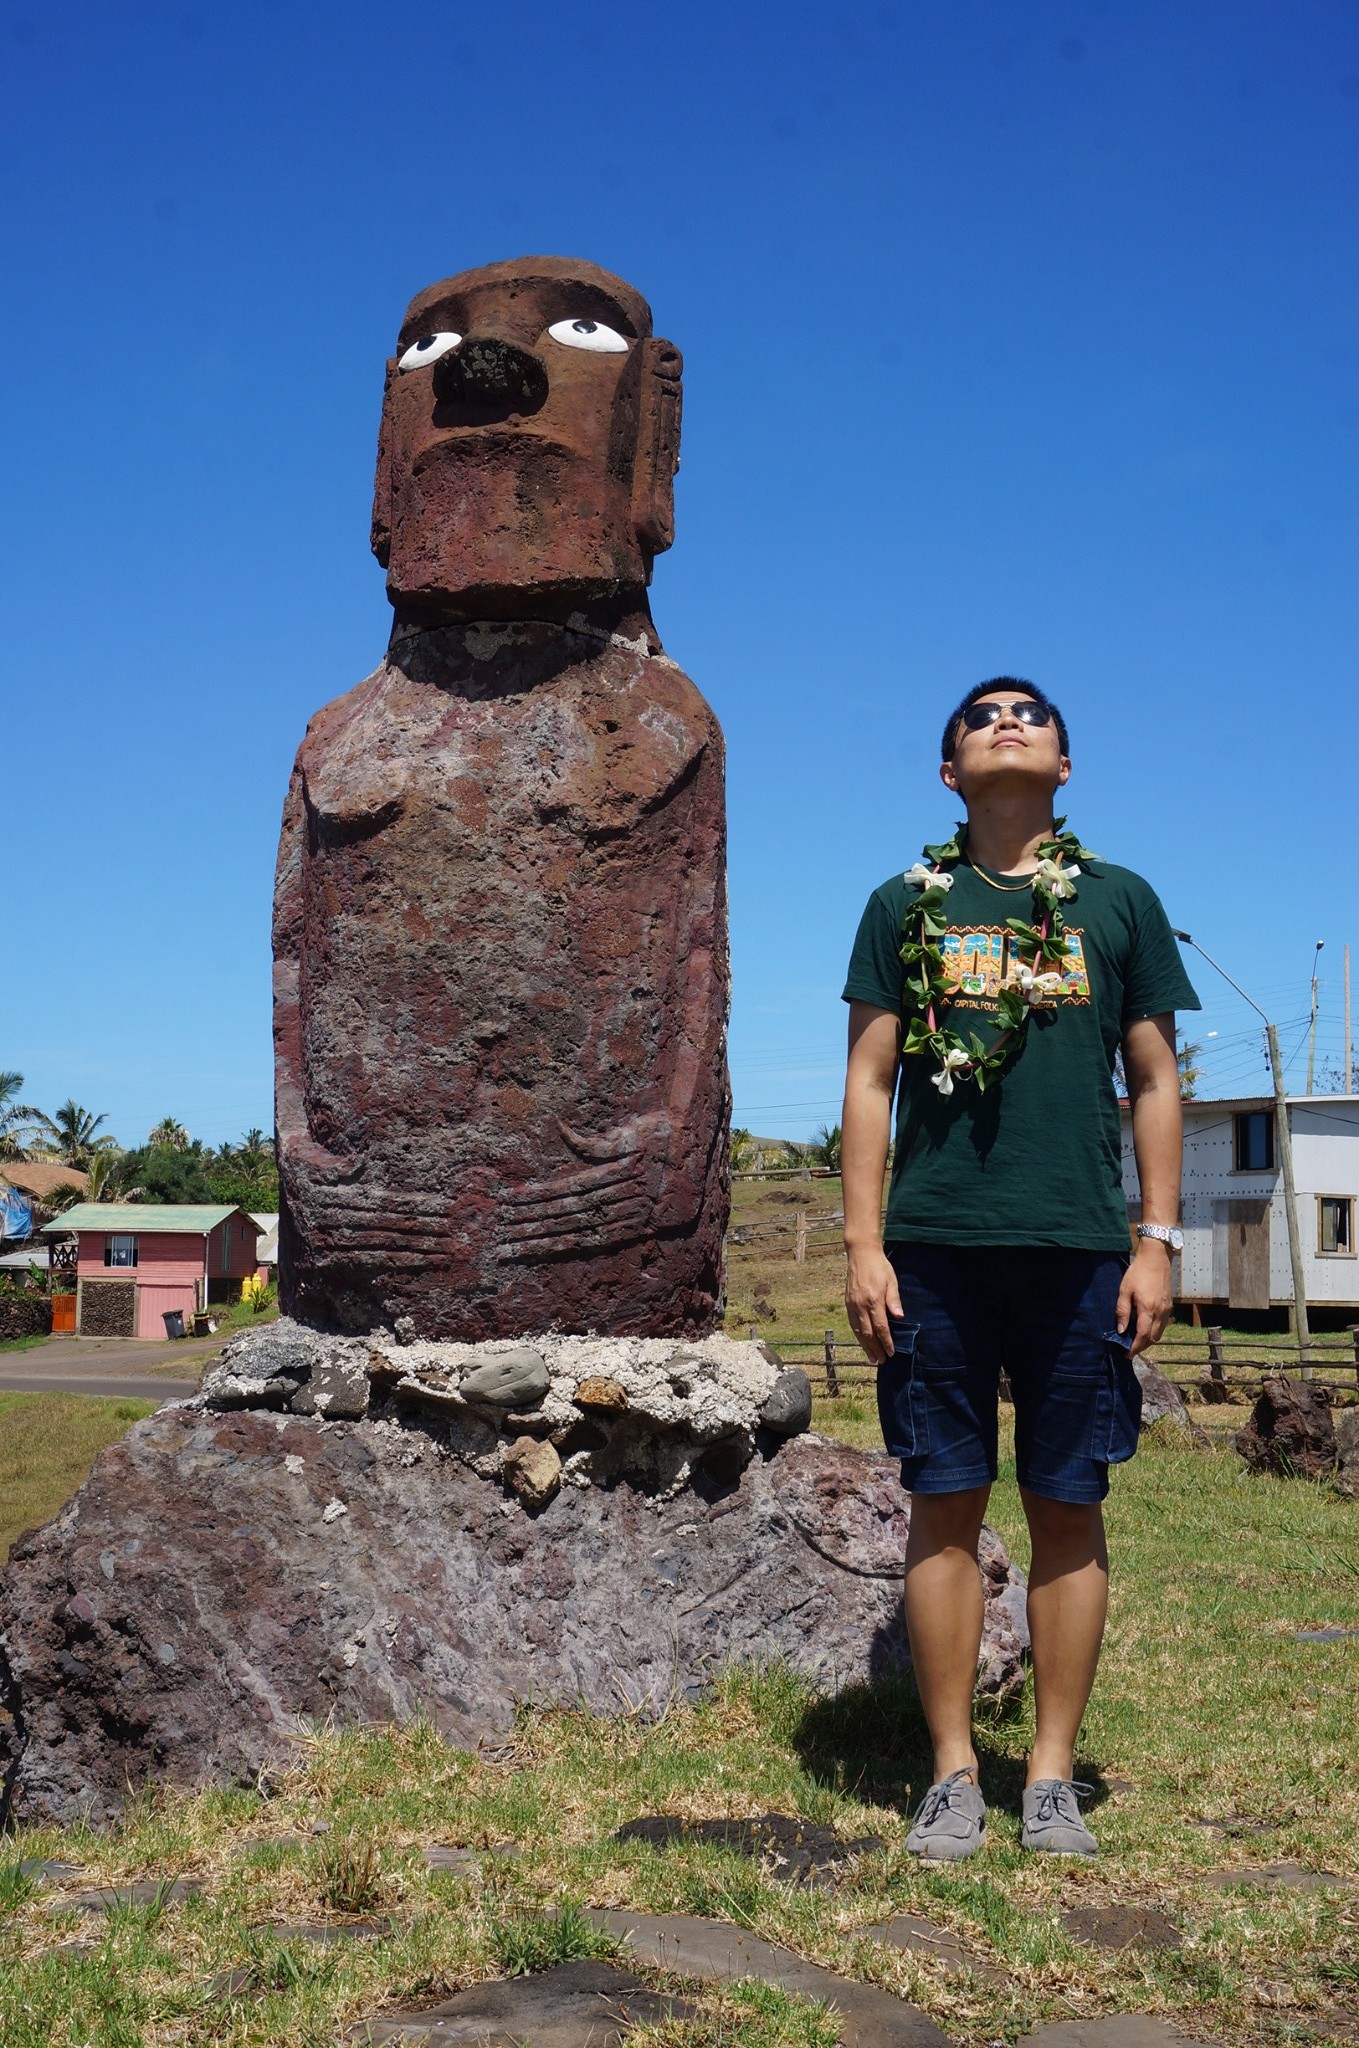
{"points": [[871, 1295], [1145, 1299]]}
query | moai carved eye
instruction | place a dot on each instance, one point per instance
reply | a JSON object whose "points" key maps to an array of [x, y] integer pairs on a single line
{"points": [[591, 334], [428, 351]]}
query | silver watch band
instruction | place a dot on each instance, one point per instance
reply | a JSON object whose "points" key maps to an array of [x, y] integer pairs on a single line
{"points": [[1164, 1231]]}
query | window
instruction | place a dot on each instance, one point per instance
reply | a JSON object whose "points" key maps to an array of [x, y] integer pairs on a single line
{"points": [[1335, 1225], [120, 1251], [1254, 1141]]}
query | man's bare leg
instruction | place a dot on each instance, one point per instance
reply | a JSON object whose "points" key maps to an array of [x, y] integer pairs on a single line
{"points": [[944, 1618], [1068, 1600]]}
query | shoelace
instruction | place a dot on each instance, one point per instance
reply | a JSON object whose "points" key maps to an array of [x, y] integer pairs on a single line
{"points": [[1057, 1799], [939, 1799]]}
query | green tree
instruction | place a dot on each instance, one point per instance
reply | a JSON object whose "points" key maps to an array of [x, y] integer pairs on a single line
{"points": [[169, 1136], [1191, 1073], [73, 1135], [166, 1173], [825, 1147], [18, 1120], [742, 1150]]}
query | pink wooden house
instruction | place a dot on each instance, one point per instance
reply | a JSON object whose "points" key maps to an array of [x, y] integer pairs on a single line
{"points": [[137, 1261]]}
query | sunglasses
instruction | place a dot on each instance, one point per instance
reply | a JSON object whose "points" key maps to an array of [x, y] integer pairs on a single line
{"points": [[978, 716]]}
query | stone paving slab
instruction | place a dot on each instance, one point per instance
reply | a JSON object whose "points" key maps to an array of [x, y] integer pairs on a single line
{"points": [[795, 1851], [1119, 1927], [917, 1937], [108, 1898], [1118, 2030], [1276, 1877], [575, 2005], [712, 1949]]}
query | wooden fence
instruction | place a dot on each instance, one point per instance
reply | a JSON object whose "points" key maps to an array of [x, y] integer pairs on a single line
{"points": [[1206, 1364]]}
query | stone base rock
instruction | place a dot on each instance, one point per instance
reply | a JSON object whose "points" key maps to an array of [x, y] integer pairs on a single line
{"points": [[219, 1575], [1290, 1431], [640, 1408]]}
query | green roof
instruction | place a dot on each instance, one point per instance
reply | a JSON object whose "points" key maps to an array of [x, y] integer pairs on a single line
{"points": [[144, 1217]]}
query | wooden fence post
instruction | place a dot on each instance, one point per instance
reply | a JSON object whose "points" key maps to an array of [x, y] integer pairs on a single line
{"points": [[832, 1376], [1354, 1333], [1216, 1360], [800, 1238]]}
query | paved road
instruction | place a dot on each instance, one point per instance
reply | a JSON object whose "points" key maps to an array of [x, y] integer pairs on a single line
{"points": [[122, 1368], [106, 1386]]}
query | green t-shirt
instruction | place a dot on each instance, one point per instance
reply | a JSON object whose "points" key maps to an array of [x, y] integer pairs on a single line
{"points": [[1037, 1158]]}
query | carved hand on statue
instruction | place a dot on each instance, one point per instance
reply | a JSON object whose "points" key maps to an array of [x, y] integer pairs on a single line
{"points": [[610, 1200]]}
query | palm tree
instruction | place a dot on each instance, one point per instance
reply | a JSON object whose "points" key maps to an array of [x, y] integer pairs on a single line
{"points": [[18, 1120], [826, 1146], [168, 1136], [72, 1135]]}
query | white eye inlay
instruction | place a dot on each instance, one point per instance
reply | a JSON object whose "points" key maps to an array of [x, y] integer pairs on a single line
{"points": [[588, 334], [428, 351]]}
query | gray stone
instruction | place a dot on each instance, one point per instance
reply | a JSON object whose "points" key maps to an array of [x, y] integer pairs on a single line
{"points": [[1346, 1424], [109, 1898], [434, 1592], [514, 1378], [1162, 1400], [712, 1949], [327, 1933], [1324, 1635], [443, 1857], [575, 2005], [1117, 2030], [788, 1408], [793, 1851], [1277, 1877], [48, 1870], [1120, 1927], [917, 1937], [337, 1389]]}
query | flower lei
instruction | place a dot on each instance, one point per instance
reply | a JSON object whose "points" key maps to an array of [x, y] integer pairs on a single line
{"points": [[1035, 981]]}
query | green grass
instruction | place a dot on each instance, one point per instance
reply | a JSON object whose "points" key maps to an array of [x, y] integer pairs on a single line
{"points": [[24, 1343], [48, 1443], [1206, 1707]]}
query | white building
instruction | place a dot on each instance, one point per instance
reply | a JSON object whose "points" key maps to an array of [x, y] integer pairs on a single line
{"points": [[1235, 1228]]}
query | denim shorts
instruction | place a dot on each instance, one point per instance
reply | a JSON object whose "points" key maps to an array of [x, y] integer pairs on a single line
{"points": [[1046, 1317]]}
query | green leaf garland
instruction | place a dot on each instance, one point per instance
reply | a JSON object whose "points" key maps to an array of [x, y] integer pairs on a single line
{"points": [[925, 983]]}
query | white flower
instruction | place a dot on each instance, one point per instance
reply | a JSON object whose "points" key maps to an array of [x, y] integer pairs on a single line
{"points": [[926, 878], [1048, 984], [1055, 879], [943, 1080]]}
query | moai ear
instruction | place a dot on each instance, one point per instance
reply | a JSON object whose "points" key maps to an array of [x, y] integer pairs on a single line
{"points": [[659, 399], [380, 536]]}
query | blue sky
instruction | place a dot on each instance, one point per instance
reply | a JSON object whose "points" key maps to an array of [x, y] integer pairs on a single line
{"points": [[1018, 338]]}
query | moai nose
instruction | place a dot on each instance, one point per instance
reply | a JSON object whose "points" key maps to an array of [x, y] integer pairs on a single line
{"points": [[492, 375]]}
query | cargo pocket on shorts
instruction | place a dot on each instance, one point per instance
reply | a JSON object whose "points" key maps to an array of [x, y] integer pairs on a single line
{"points": [[1120, 1406], [901, 1401]]}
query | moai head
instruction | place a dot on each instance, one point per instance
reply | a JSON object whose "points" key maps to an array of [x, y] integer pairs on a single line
{"points": [[530, 438]]}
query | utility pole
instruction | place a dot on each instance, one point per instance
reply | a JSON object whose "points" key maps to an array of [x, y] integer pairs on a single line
{"points": [[1312, 1032], [1284, 1147], [1349, 1057]]}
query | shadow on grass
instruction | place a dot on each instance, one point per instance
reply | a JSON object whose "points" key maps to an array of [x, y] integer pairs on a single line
{"points": [[870, 1742]]}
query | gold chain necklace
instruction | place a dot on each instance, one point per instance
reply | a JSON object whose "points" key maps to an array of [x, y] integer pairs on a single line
{"points": [[1005, 888]]}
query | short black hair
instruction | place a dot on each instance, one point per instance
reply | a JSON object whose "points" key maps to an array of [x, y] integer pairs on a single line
{"points": [[1023, 689]]}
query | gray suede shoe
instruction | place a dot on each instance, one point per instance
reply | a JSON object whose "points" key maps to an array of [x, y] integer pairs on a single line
{"points": [[1052, 1819], [949, 1822]]}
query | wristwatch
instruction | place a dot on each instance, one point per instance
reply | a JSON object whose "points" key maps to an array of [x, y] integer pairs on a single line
{"points": [[1166, 1232]]}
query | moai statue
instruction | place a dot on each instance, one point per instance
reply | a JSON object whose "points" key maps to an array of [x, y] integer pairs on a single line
{"points": [[500, 935]]}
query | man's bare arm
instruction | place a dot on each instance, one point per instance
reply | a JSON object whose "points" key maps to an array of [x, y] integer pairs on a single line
{"points": [[1153, 1073], [865, 1128]]}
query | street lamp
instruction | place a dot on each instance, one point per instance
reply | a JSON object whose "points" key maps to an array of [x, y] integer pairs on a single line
{"points": [[1284, 1138]]}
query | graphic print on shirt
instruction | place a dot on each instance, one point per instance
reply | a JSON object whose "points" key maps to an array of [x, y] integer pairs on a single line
{"points": [[980, 960]]}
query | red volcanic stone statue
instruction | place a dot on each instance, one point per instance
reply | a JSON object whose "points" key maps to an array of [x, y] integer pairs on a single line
{"points": [[500, 936]]}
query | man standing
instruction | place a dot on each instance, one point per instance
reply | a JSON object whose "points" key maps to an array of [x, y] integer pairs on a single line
{"points": [[998, 979]]}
